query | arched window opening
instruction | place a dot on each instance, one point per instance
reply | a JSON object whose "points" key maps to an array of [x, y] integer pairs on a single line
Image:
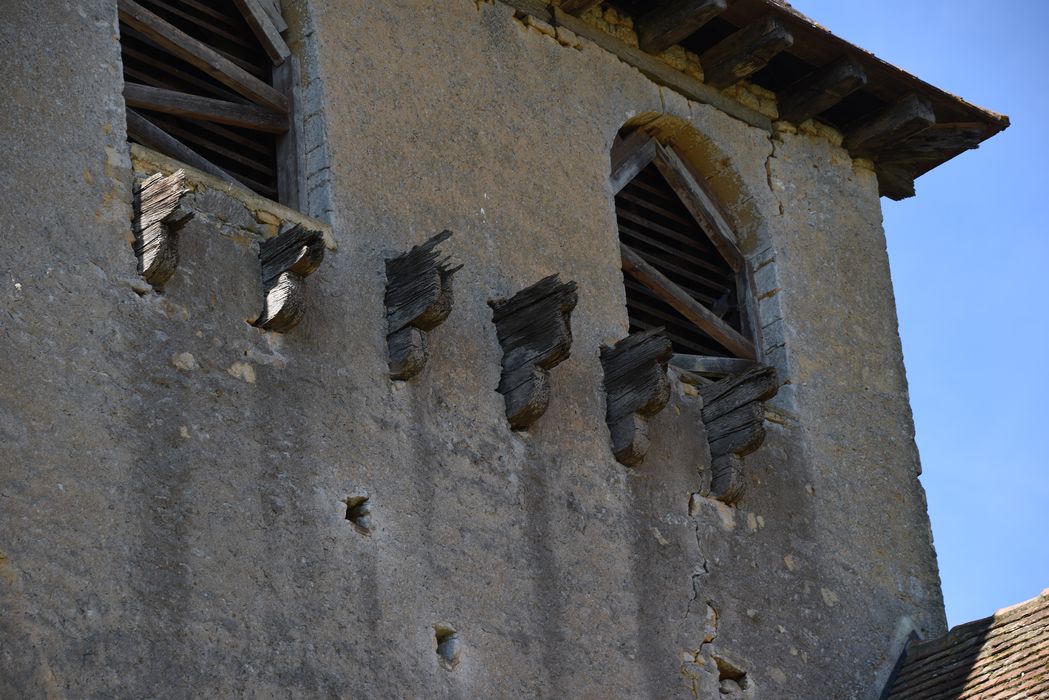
{"points": [[682, 269]]}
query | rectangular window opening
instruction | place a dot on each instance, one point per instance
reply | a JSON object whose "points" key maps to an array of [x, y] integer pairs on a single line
{"points": [[210, 83]]}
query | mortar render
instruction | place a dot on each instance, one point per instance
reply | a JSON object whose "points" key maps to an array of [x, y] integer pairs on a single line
{"points": [[171, 493]]}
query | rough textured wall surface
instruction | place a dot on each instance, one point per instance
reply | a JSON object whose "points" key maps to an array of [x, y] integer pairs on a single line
{"points": [[176, 528]]}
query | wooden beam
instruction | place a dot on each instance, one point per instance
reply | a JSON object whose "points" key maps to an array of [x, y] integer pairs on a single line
{"points": [[745, 52], [701, 205], [263, 29], [667, 24], [149, 134], [895, 181], [273, 10], [629, 157], [291, 147], [910, 115], [578, 7], [199, 54], [701, 364], [671, 293], [195, 107], [821, 90], [934, 145]]}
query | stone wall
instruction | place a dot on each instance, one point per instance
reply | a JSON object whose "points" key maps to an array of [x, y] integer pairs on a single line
{"points": [[178, 528]]}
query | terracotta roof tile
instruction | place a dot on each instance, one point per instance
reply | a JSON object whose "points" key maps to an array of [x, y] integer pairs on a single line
{"points": [[1003, 656]]}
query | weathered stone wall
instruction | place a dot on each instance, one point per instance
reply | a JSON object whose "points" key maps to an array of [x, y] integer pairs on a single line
{"points": [[174, 527]]}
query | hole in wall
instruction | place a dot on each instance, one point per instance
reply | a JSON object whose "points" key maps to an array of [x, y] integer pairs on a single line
{"points": [[448, 646], [359, 511], [730, 676]]}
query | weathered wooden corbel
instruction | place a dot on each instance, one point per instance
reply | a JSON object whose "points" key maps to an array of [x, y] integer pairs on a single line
{"points": [[734, 417], [287, 259], [535, 333], [636, 388], [158, 217], [418, 299]]}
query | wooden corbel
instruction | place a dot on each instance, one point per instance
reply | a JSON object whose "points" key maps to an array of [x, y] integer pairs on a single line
{"points": [[418, 299], [534, 331], [734, 416], [636, 388], [158, 217], [287, 259]]}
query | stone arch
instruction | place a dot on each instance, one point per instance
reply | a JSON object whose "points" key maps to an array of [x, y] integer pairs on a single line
{"points": [[709, 163]]}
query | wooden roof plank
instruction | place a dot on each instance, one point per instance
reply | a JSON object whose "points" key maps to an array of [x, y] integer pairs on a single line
{"points": [[821, 90], [745, 52], [669, 23], [908, 116]]}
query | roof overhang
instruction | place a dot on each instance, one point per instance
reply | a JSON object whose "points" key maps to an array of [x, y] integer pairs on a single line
{"points": [[903, 124]]}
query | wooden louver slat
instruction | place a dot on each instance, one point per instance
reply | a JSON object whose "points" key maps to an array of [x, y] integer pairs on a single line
{"points": [[186, 105]]}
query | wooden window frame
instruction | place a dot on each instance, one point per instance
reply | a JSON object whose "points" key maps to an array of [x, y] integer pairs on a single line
{"points": [[273, 109], [631, 155]]}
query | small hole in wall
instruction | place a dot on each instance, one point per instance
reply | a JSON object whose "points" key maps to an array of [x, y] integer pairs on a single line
{"points": [[448, 646], [359, 511], [730, 676]]}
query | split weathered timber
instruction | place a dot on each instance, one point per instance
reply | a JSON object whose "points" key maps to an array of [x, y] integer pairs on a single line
{"points": [[286, 260], [711, 366], [535, 333], [418, 299], [630, 156], [821, 90], [158, 217], [264, 30], [670, 22], [578, 7], [671, 293], [199, 54], [636, 388], [734, 419], [727, 478], [196, 107], [910, 115], [744, 52]]}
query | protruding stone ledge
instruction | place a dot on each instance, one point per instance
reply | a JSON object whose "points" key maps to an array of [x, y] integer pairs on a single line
{"points": [[535, 333], [418, 299], [636, 388]]}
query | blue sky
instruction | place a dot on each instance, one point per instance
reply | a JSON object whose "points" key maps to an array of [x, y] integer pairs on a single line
{"points": [[970, 260]]}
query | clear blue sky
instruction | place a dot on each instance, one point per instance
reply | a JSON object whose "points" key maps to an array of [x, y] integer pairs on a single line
{"points": [[970, 264]]}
